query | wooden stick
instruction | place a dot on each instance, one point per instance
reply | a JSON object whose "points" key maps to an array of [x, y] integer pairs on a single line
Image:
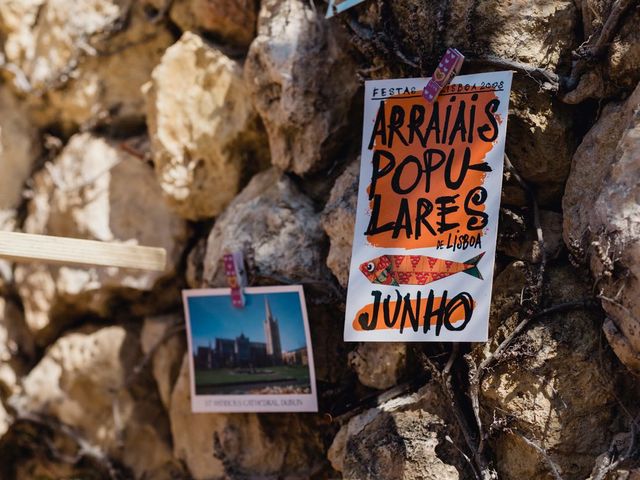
{"points": [[23, 247]]}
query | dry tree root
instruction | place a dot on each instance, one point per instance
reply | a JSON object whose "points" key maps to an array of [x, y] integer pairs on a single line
{"points": [[553, 468], [480, 465], [537, 225], [372, 43], [594, 48], [614, 457], [546, 79]]}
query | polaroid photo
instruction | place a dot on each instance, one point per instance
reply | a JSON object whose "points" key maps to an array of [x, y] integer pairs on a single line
{"points": [[252, 359]]}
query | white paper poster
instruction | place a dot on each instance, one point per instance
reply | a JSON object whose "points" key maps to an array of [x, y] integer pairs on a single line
{"points": [[427, 215]]}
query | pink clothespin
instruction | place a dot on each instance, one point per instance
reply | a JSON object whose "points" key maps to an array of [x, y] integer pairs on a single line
{"points": [[448, 68], [236, 277]]}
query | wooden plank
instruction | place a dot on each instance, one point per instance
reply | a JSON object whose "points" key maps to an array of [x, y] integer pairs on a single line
{"points": [[23, 247]]}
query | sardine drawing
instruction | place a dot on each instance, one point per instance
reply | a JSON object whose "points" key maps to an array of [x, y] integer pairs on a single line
{"points": [[416, 269]]}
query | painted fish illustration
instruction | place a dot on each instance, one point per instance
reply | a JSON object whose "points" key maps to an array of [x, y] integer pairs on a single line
{"points": [[416, 269]]}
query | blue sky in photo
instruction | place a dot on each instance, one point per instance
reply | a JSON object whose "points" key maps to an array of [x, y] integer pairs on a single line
{"points": [[215, 317]]}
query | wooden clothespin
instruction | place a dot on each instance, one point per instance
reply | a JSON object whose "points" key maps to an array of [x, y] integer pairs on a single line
{"points": [[26, 247], [236, 277], [448, 68]]}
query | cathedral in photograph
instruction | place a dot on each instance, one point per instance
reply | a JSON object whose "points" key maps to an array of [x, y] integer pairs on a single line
{"points": [[242, 352]]}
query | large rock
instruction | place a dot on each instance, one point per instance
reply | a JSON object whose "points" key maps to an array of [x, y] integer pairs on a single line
{"points": [[302, 81], [84, 380], [602, 220], [403, 438], [379, 365], [163, 340], [232, 21], [19, 149], [8, 222], [94, 190], [204, 131], [242, 445], [5, 420], [541, 140], [276, 228], [338, 220], [556, 386], [17, 346], [81, 63]]}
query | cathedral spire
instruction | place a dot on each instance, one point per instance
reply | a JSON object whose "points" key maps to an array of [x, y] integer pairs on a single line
{"points": [[272, 334], [267, 308]]}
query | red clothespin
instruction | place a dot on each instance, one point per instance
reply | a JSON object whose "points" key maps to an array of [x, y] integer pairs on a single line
{"points": [[448, 68], [236, 277]]}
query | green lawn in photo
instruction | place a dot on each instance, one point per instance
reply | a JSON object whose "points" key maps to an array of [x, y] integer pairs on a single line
{"points": [[229, 376]]}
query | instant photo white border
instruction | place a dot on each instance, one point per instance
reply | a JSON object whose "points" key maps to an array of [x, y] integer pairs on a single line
{"points": [[251, 403], [477, 330]]}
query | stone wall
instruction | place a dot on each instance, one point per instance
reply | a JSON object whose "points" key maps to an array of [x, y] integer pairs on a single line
{"points": [[205, 125]]}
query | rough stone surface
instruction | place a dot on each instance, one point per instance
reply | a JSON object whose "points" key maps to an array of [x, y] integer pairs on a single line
{"points": [[553, 389], [338, 220], [302, 82], [401, 439], [602, 219], [16, 346], [86, 192], [242, 445], [540, 141], [232, 21], [83, 380], [165, 343], [195, 264], [379, 365], [23, 460], [522, 243], [5, 420], [277, 229], [203, 128], [19, 149], [81, 63], [7, 224]]}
